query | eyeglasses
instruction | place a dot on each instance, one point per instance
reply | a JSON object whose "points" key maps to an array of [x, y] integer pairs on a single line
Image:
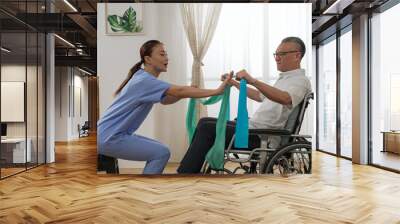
{"points": [[283, 53]]}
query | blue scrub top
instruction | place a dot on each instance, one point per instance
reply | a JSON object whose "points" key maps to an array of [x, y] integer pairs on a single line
{"points": [[131, 106]]}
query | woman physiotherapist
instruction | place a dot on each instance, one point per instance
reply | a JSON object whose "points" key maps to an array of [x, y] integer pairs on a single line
{"points": [[134, 99]]}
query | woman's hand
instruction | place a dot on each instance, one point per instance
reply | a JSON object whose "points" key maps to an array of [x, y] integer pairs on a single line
{"points": [[226, 75], [226, 79]]}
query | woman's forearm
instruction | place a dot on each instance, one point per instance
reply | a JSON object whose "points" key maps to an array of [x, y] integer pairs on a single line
{"points": [[169, 100], [190, 92]]}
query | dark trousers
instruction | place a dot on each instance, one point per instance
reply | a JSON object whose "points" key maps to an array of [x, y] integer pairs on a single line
{"points": [[203, 140]]}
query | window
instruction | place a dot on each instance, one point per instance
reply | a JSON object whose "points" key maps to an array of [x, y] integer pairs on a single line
{"points": [[22, 65], [327, 97], [346, 94], [394, 102], [385, 84]]}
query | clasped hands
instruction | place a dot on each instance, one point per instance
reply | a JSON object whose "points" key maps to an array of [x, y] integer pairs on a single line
{"points": [[242, 74]]}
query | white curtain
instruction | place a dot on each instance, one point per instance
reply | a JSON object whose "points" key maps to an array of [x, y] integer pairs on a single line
{"points": [[199, 22]]}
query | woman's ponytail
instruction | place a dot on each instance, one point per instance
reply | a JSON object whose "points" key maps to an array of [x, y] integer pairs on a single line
{"points": [[131, 72]]}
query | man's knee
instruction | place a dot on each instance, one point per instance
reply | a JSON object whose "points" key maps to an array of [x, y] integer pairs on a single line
{"points": [[206, 122], [203, 120]]}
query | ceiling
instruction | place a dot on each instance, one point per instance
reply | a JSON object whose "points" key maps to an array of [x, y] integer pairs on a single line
{"points": [[77, 23]]}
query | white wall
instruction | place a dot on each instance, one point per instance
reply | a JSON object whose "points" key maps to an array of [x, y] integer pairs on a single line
{"points": [[81, 82], [61, 103], [68, 81]]}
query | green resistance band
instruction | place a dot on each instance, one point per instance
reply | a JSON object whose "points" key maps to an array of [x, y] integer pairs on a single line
{"points": [[215, 156], [191, 115]]}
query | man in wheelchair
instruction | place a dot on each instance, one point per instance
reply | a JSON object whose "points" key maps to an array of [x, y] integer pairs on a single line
{"points": [[277, 104]]}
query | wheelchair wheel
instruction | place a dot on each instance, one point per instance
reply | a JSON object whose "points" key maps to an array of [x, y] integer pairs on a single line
{"points": [[294, 158]]}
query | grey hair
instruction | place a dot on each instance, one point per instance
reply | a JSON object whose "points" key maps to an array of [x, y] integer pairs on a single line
{"points": [[298, 41]]}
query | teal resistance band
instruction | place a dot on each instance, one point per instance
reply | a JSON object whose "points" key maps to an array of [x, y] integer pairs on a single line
{"points": [[242, 121]]}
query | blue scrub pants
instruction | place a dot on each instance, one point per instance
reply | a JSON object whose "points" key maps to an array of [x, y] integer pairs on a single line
{"points": [[138, 148]]}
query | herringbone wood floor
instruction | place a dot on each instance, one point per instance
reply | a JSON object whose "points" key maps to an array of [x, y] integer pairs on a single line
{"points": [[70, 191]]}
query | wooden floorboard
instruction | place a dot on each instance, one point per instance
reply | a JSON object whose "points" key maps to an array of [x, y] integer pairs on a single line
{"points": [[70, 191], [387, 159]]}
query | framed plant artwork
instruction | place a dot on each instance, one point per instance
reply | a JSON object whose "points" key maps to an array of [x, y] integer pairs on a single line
{"points": [[124, 18]]}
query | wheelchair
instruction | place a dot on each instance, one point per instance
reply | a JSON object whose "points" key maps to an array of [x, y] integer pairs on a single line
{"points": [[83, 130], [292, 156]]}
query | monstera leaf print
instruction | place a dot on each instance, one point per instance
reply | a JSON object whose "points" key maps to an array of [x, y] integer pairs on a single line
{"points": [[126, 23]]}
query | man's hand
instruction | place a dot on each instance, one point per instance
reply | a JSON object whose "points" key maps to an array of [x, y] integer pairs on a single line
{"points": [[244, 75]]}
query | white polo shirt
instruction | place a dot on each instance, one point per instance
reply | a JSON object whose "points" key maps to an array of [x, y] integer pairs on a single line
{"points": [[274, 115]]}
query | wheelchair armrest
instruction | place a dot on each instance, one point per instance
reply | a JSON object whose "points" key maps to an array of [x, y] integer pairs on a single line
{"points": [[277, 132]]}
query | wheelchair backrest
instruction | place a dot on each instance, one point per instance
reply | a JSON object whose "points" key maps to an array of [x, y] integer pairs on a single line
{"points": [[300, 117], [296, 117], [86, 125], [292, 119]]}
